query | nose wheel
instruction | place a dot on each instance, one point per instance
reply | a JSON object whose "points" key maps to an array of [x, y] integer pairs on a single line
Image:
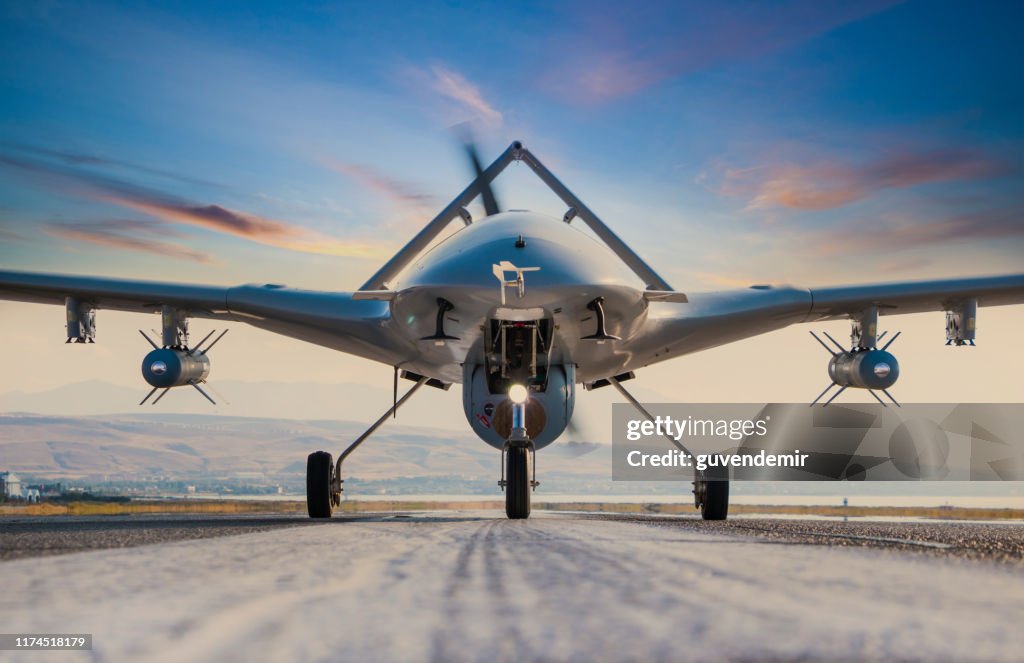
{"points": [[518, 483]]}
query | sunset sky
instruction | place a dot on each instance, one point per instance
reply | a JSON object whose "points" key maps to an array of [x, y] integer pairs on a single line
{"points": [[728, 143]]}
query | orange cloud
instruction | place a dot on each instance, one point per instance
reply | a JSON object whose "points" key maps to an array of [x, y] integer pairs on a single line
{"points": [[897, 234], [248, 226], [113, 235], [212, 217], [614, 50], [391, 189], [158, 205], [827, 185]]}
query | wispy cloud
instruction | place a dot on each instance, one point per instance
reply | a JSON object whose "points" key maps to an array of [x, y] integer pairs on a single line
{"points": [[393, 190], [128, 234], [729, 279], [830, 184], [899, 233], [617, 49], [454, 86], [78, 158], [10, 235], [166, 207]]}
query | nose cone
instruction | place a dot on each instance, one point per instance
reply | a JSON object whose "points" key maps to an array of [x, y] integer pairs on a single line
{"points": [[879, 369], [161, 368]]}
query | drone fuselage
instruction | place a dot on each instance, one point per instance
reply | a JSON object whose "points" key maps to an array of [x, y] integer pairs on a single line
{"points": [[524, 325]]}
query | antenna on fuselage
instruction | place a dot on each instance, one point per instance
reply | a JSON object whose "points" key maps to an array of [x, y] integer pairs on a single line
{"points": [[519, 283]]}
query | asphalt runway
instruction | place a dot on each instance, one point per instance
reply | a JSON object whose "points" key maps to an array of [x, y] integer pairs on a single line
{"points": [[470, 586]]}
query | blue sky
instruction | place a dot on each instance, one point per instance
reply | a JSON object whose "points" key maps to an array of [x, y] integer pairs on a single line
{"points": [[813, 142], [729, 142]]}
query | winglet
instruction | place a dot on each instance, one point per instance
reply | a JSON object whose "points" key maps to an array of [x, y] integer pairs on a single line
{"points": [[669, 296]]}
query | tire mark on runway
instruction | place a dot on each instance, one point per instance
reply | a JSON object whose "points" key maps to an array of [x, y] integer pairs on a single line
{"points": [[553, 588], [480, 572], [989, 541], [857, 537], [251, 618], [648, 576], [507, 612], [460, 579], [706, 582]]}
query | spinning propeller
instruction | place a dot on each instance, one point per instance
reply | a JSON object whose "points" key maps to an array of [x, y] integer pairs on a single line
{"points": [[487, 196]]}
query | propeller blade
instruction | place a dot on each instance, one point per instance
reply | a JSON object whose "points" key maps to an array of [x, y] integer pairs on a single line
{"points": [[572, 430], [486, 191], [894, 401], [162, 394]]}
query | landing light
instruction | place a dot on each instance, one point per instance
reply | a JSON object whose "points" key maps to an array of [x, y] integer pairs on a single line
{"points": [[518, 393]]}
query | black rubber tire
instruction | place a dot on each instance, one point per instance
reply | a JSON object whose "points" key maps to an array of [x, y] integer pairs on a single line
{"points": [[517, 487], [716, 496], [319, 469]]}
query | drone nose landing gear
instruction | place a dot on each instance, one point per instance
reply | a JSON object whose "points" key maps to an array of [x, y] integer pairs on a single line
{"points": [[518, 467], [518, 478]]}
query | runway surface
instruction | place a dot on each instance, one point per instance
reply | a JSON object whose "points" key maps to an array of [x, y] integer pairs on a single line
{"points": [[469, 586]]}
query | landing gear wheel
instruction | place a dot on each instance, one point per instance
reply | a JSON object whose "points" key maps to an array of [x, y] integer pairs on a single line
{"points": [[713, 493], [319, 472], [517, 487]]}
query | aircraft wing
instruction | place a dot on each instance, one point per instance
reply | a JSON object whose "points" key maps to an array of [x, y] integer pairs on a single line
{"points": [[331, 319], [915, 296], [712, 319]]}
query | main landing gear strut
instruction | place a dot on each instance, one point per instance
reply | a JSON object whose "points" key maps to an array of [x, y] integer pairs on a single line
{"points": [[323, 476], [710, 487]]}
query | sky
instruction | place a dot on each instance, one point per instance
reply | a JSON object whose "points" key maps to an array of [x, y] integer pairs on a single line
{"points": [[729, 143]]}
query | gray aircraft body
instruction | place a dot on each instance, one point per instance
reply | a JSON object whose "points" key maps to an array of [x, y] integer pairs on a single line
{"points": [[521, 309]]}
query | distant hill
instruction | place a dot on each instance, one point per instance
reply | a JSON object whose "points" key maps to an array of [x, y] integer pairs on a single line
{"points": [[139, 446], [292, 400], [149, 446]]}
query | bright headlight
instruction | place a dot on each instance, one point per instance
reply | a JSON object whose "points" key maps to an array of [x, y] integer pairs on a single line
{"points": [[518, 393]]}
